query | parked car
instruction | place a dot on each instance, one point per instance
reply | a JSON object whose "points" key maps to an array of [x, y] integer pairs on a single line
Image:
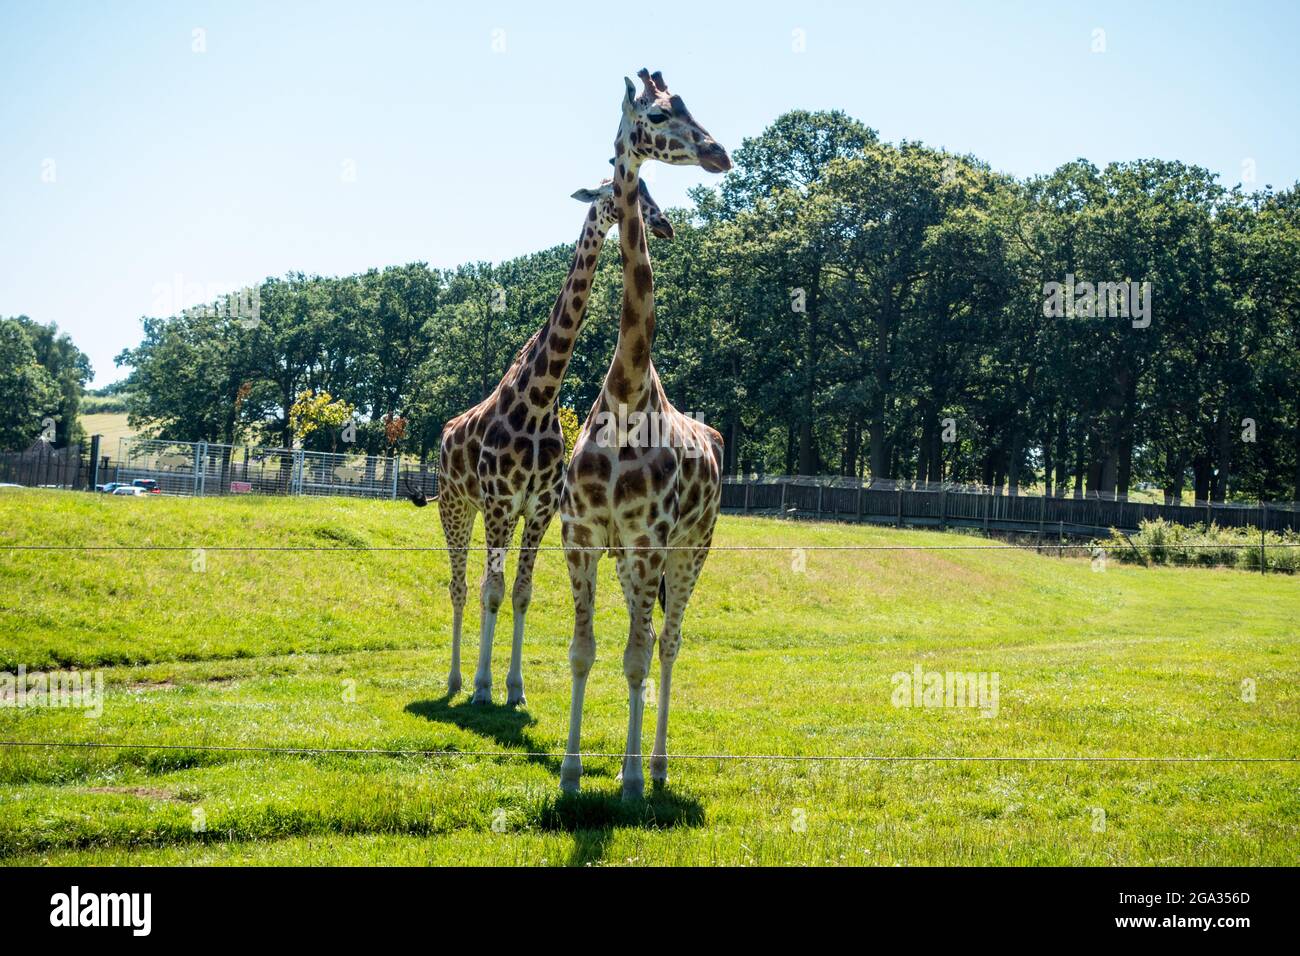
{"points": [[109, 487], [148, 484], [130, 491]]}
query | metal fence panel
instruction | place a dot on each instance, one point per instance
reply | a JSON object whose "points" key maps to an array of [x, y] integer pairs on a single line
{"points": [[970, 506], [204, 468]]}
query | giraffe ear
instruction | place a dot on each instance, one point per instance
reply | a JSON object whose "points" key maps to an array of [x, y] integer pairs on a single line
{"points": [[586, 195], [630, 96]]}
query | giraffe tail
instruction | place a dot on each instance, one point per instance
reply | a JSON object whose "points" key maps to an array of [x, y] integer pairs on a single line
{"points": [[417, 495]]}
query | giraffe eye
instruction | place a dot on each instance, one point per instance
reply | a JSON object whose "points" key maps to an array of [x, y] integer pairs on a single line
{"points": [[657, 117]]}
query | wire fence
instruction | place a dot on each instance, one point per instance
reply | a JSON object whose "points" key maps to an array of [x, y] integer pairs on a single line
{"points": [[549, 755], [925, 505]]}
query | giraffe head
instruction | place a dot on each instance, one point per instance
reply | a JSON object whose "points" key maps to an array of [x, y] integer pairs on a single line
{"points": [[657, 125], [602, 200]]}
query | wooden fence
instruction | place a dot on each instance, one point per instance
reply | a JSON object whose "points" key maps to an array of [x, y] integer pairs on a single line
{"points": [[959, 508]]}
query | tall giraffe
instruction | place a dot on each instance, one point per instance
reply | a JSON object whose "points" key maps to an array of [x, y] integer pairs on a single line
{"points": [[505, 456], [647, 488]]}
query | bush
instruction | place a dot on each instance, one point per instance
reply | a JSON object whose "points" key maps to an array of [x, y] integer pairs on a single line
{"points": [[1161, 542]]}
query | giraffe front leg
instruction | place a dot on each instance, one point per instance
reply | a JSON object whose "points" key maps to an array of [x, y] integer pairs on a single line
{"points": [[497, 530], [659, 756], [582, 565], [682, 571]]}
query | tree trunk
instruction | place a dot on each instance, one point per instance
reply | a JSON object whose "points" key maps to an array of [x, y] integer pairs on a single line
{"points": [[852, 438], [809, 460], [1201, 477], [1223, 449], [1175, 465], [1295, 484], [730, 443], [877, 453], [1014, 456]]}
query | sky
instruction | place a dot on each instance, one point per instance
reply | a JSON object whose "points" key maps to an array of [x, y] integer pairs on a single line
{"points": [[154, 155]]}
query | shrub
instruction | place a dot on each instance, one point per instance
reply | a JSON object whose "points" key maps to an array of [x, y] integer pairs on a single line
{"points": [[1160, 542]]}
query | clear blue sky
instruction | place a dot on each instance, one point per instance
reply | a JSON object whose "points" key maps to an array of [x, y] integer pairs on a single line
{"points": [[226, 166]]}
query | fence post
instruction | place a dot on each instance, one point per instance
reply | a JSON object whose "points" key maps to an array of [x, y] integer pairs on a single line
{"points": [[1042, 516], [900, 506], [94, 461], [821, 493], [1263, 530], [987, 498], [397, 466], [783, 486], [943, 508], [748, 485]]}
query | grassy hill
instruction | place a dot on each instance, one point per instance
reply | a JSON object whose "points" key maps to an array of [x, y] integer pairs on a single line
{"points": [[348, 649], [112, 425]]}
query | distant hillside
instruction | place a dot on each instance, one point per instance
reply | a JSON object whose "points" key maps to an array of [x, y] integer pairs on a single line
{"points": [[111, 425]]}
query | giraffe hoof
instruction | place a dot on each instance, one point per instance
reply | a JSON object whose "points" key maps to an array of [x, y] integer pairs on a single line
{"points": [[516, 699], [482, 695], [658, 772], [453, 685], [633, 788], [571, 775]]}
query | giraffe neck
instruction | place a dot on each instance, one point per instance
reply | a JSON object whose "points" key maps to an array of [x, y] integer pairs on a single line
{"points": [[631, 379], [546, 356]]}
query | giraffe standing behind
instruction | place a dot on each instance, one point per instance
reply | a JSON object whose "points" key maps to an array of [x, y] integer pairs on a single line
{"points": [[645, 480], [505, 456]]}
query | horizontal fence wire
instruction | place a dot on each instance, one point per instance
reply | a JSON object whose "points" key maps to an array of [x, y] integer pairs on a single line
{"points": [[547, 755], [716, 547]]}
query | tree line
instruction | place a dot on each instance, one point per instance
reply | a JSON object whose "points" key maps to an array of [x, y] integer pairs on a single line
{"points": [[838, 305]]}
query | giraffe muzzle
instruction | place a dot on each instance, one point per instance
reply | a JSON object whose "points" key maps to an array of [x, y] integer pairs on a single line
{"points": [[714, 159]]}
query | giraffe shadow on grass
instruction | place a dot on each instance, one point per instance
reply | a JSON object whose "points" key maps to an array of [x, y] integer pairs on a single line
{"points": [[506, 727], [591, 816]]}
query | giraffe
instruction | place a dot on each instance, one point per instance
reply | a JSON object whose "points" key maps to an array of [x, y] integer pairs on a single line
{"points": [[650, 501], [505, 456]]}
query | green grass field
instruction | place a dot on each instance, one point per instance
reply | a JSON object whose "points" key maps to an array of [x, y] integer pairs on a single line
{"points": [[348, 649]]}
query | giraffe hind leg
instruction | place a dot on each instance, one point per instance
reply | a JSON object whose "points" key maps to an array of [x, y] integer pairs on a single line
{"points": [[498, 528], [457, 518], [582, 557], [534, 529]]}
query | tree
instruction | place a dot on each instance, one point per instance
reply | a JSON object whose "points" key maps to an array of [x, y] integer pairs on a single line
{"points": [[31, 392]]}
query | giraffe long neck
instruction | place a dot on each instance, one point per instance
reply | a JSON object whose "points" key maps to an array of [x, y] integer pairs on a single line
{"points": [[546, 356], [631, 379]]}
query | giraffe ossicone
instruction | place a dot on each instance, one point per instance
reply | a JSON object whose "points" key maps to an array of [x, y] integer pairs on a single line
{"points": [[504, 458], [650, 504]]}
